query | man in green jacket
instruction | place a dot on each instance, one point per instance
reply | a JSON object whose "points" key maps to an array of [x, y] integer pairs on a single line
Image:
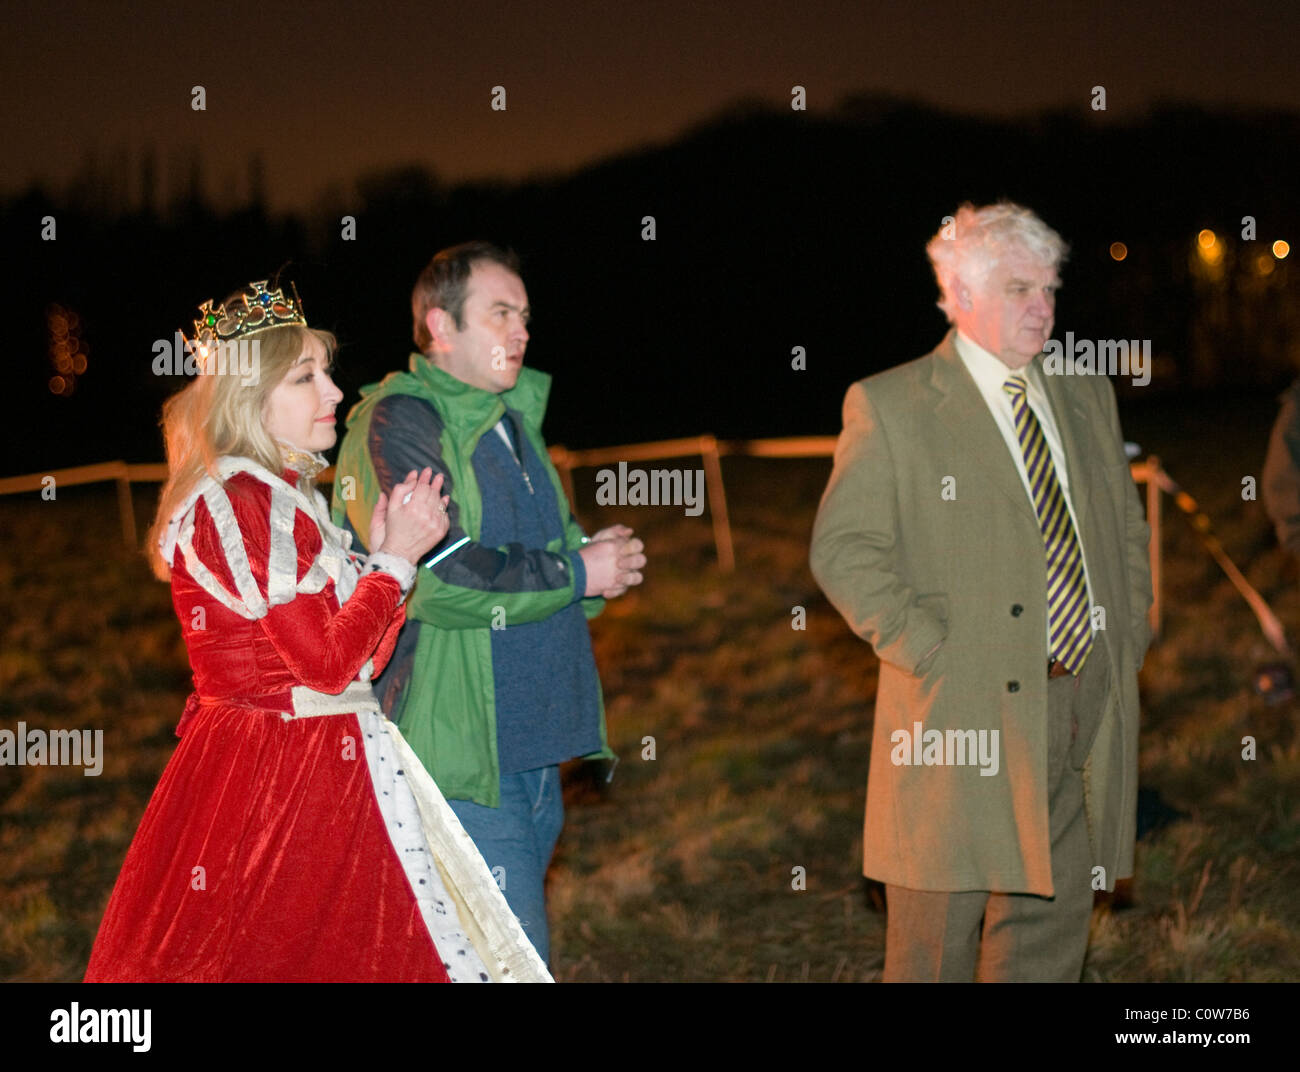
{"points": [[493, 681]]}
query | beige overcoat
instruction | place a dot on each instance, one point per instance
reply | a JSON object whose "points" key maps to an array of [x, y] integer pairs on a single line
{"points": [[926, 535]]}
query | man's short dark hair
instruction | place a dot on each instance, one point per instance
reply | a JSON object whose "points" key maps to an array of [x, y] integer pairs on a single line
{"points": [[445, 280]]}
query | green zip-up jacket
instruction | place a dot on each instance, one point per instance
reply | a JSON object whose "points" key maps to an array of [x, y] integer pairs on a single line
{"points": [[447, 707]]}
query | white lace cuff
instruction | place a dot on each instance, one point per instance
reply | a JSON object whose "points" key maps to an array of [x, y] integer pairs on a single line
{"points": [[394, 565]]}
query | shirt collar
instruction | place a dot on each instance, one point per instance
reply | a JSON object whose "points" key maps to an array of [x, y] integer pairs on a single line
{"points": [[988, 371]]}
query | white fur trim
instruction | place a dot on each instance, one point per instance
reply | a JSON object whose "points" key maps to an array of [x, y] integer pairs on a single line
{"points": [[395, 565], [464, 911], [484, 913], [391, 779], [249, 602], [334, 563], [282, 566]]}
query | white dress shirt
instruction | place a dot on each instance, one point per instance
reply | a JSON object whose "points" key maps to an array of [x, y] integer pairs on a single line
{"points": [[989, 374]]}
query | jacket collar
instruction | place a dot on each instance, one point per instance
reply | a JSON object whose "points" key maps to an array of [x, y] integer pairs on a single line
{"points": [[967, 420], [474, 406], [1066, 400]]}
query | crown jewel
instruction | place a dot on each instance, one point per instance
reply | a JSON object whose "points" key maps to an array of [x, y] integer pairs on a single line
{"points": [[255, 310]]}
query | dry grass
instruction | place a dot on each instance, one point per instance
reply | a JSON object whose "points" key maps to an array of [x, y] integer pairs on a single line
{"points": [[685, 866]]}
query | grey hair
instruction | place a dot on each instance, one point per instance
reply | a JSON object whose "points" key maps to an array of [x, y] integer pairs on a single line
{"points": [[973, 241]]}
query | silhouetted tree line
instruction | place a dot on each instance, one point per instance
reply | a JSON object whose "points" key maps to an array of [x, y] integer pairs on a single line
{"points": [[773, 229]]}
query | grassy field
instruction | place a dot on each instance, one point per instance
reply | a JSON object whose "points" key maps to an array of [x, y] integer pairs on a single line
{"points": [[682, 867]]}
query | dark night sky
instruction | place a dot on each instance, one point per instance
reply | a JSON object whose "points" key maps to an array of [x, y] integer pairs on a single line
{"points": [[326, 91]]}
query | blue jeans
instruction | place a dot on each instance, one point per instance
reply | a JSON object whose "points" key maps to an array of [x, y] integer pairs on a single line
{"points": [[517, 840]]}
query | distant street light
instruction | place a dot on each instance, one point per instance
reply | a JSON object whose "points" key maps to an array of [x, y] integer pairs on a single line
{"points": [[1209, 247]]}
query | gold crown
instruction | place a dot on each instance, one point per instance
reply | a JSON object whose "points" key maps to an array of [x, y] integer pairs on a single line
{"points": [[255, 310]]}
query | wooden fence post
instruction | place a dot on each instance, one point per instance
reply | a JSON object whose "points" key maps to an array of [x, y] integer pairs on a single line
{"points": [[126, 505], [563, 463], [718, 503], [1153, 519]]}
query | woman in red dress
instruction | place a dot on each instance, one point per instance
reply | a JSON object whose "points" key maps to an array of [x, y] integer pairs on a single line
{"points": [[293, 836]]}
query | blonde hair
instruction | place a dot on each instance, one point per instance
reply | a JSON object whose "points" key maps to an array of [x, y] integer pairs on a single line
{"points": [[219, 414]]}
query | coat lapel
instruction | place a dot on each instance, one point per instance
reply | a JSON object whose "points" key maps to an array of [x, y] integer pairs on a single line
{"points": [[969, 424], [1072, 423]]}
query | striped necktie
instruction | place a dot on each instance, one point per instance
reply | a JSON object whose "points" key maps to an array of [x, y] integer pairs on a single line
{"points": [[1067, 587]]}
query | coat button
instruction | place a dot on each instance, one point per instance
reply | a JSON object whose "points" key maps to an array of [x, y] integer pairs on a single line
{"points": [[1016, 610], [1013, 686]]}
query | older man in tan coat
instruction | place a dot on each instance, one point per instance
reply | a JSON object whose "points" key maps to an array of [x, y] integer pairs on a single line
{"points": [[981, 530]]}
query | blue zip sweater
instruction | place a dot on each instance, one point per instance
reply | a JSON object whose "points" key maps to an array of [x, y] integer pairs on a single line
{"points": [[544, 673]]}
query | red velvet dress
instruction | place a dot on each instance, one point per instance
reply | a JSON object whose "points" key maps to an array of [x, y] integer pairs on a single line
{"points": [[263, 854]]}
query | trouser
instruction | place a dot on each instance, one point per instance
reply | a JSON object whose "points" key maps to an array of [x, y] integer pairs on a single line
{"points": [[935, 936], [517, 840]]}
